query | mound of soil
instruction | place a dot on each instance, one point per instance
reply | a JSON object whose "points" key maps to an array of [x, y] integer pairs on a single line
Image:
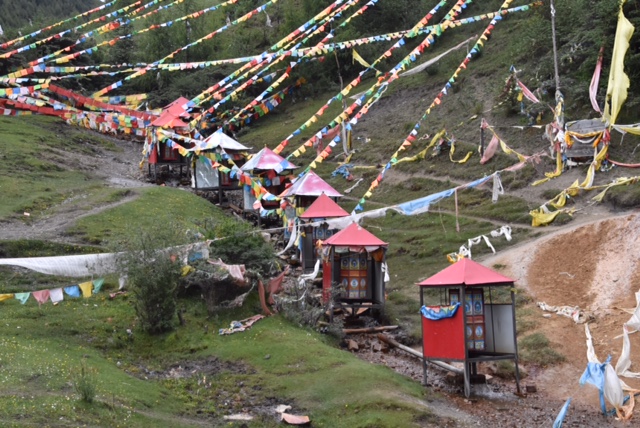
{"points": [[592, 265]]}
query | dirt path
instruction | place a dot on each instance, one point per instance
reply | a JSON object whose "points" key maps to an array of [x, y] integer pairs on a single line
{"points": [[52, 227], [115, 165]]}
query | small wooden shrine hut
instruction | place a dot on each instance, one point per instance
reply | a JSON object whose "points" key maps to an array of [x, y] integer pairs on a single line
{"points": [[220, 148], [354, 258], [468, 326], [160, 151], [314, 228], [273, 171], [582, 138]]}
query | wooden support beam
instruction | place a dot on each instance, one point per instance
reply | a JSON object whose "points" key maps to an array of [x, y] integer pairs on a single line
{"points": [[415, 353], [369, 329]]}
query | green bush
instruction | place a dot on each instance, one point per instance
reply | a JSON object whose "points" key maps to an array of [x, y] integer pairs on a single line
{"points": [[238, 243], [153, 273], [84, 382]]}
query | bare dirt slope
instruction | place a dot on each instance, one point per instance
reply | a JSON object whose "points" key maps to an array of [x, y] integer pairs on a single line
{"points": [[591, 265]]}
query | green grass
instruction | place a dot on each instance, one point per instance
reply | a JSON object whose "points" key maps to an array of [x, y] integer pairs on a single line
{"points": [[536, 349], [155, 207], [43, 349], [34, 174], [624, 197], [280, 123]]}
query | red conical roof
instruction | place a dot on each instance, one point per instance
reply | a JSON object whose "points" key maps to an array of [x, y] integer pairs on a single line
{"points": [[168, 120], [355, 235], [310, 184], [324, 207], [466, 272]]}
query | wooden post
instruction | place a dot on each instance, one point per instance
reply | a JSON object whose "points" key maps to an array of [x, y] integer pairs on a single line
{"points": [[481, 138]]}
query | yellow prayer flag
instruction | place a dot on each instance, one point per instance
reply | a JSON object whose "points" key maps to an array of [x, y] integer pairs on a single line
{"points": [[86, 288], [542, 218], [618, 80], [4, 297], [361, 61]]}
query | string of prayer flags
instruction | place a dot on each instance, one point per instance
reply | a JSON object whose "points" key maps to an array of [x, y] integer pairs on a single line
{"points": [[265, 61], [493, 145], [103, 29], [347, 89], [59, 35], [56, 295], [209, 36], [266, 58], [115, 40], [408, 141], [317, 48], [382, 83], [264, 66], [265, 107], [199, 99], [9, 43]]}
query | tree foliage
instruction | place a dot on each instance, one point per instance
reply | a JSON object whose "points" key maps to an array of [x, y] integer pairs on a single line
{"points": [[583, 26], [153, 266], [235, 242], [31, 15]]}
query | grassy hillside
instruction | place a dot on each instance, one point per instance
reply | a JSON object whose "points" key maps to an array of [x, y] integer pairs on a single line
{"points": [[189, 377], [192, 376], [47, 347], [30, 15], [34, 173]]}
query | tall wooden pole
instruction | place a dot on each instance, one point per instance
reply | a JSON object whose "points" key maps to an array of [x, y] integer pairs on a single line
{"points": [[555, 48]]}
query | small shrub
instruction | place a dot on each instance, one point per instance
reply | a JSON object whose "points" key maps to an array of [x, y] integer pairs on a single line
{"points": [[241, 246], [153, 273], [478, 108], [623, 197], [84, 382], [550, 194], [505, 369], [302, 305]]}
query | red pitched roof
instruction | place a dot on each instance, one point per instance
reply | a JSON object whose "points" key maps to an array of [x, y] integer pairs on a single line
{"points": [[466, 272], [176, 107], [168, 120], [324, 207], [310, 184], [355, 235]]}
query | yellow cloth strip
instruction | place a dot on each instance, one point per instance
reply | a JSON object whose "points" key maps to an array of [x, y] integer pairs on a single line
{"points": [[86, 288], [7, 296]]}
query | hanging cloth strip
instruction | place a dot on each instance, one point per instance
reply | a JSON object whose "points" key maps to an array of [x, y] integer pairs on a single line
{"points": [[435, 313]]}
